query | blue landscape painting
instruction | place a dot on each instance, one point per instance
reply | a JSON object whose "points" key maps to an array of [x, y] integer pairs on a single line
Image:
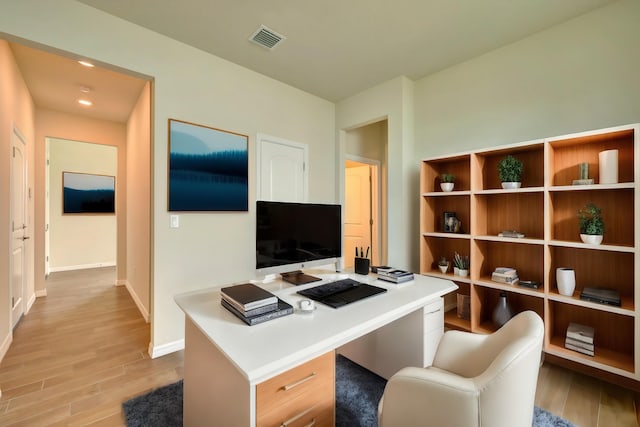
{"points": [[208, 169], [88, 193]]}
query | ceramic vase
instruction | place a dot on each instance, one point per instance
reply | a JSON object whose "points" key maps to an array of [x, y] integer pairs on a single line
{"points": [[502, 313], [446, 186], [591, 239], [566, 281], [608, 163], [511, 185]]}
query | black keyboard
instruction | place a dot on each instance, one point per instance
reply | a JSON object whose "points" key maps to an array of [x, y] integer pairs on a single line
{"points": [[322, 291], [341, 292]]}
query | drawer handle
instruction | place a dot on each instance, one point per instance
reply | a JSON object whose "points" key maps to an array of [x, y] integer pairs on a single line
{"points": [[299, 382], [297, 417]]}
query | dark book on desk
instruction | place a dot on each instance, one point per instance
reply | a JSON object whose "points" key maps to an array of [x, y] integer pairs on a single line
{"points": [[283, 309], [253, 311], [394, 275], [248, 296]]}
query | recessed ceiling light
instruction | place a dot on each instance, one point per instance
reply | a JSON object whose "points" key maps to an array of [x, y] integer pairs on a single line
{"points": [[86, 64], [85, 89], [85, 102]]}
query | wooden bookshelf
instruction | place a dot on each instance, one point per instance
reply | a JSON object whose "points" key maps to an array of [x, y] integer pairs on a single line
{"points": [[545, 210]]}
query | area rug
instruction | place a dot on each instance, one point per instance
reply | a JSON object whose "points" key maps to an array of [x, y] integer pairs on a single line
{"points": [[358, 392]]}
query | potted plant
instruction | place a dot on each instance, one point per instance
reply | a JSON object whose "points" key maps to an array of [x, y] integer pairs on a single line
{"points": [[443, 265], [510, 172], [447, 181], [591, 224], [461, 265]]}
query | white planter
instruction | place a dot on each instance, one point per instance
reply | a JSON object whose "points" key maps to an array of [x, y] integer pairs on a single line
{"points": [[591, 239], [443, 268], [456, 271], [511, 185], [446, 186], [566, 281], [463, 273]]}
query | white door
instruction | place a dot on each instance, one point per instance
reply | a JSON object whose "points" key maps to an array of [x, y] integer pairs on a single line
{"points": [[357, 221], [18, 225], [282, 173]]}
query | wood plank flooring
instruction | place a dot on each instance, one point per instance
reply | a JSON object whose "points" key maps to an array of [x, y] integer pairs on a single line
{"points": [[82, 351]]}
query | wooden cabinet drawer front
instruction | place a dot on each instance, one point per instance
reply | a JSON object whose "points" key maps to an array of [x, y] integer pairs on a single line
{"points": [[315, 410], [314, 377]]}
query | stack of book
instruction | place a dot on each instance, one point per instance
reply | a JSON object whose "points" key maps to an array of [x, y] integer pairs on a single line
{"points": [[394, 275], [506, 275], [252, 304], [580, 338], [511, 233]]}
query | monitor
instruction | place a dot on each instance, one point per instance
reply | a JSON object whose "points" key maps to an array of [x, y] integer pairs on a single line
{"points": [[291, 236]]}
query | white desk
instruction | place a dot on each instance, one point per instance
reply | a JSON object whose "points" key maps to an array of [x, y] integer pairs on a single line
{"points": [[225, 359]]}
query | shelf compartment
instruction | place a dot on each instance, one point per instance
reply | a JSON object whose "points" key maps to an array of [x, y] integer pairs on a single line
{"points": [[433, 209], [617, 213], [451, 318], [566, 154], [458, 166], [484, 300], [523, 212], [434, 248], [613, 334], [531, 155], [528, 260], [595, 268]]}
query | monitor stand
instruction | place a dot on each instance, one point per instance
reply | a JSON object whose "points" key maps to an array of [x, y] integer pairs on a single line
{"points": [[297, 277]]}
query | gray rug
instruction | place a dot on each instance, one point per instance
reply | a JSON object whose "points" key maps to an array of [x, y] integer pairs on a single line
{"points": [[358, 392]]}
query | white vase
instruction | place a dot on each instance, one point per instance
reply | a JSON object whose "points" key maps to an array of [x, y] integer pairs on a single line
{"points": [[511, 185], [608, 163], [443, 268], [566, 281], [463, 272], [446, 186], [591, 239]]}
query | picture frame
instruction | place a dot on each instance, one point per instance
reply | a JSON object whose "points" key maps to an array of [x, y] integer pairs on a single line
{"points": [[208, 169], [87, 193]]}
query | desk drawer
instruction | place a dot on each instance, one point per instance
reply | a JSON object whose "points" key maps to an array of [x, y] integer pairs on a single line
{"points": [[300, 395]]}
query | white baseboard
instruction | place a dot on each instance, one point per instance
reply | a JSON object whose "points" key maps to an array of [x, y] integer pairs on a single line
{"points": [[41, 293], [165, 349], [6, 343], [136, 299], [82, 266], [30, 302]]}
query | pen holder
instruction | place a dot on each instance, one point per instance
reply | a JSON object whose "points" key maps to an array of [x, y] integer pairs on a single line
{"points": [[361, 265]]}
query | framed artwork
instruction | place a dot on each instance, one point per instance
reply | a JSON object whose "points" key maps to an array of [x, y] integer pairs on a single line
{"points": [[208, 168], [85, 193]]}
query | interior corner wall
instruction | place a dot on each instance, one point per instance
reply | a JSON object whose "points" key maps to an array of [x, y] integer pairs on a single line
{"points": [[391, 100], [79, 241], [60, 125], [209, 248], [16, 108], [576, 76], [138, 224]]}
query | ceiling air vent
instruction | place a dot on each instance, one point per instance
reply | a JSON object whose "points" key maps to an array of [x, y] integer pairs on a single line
{"points": [[266, 37]]}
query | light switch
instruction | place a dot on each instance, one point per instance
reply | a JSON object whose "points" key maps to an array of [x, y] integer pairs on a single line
{"points": [[175, 221]]}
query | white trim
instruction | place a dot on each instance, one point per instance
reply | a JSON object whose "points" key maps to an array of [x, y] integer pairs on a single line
{"points": [[260, 137], [135, 298], [165, 349], [5, 345], [82, 266], [41, 293], [32, 299]]}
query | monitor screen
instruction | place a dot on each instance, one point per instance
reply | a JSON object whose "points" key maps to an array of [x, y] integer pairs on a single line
{"points": [[295, 234]]}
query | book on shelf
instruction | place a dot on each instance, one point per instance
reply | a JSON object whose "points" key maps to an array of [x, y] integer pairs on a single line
{"points": [[507, 271], [580, 344], [579, 349], [601, 296], [511, 233], [581, 333], [283, 309], [394, 275], [247, 296], [509, 280]]}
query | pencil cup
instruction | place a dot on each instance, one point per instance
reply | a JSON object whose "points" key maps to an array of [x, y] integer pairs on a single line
{"points": [[361, 265]]}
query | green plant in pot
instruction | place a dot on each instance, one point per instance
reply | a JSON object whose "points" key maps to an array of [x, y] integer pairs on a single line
{"points": [[591, 224], [447, 181], [443, 265], [510, 172], [461, 264]]}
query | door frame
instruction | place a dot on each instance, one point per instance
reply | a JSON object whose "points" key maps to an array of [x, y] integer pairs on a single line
{"points": [[15, 131], [376, 205]]}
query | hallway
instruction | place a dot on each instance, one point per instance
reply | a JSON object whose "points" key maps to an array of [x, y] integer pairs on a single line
{"points": [[79, 353]]}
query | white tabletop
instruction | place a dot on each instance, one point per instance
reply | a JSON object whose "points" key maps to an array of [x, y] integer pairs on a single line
{"points": [[267, 349]]}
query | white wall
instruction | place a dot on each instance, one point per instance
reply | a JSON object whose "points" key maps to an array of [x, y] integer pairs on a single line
{"points": [[208, 248], [80, 240]]}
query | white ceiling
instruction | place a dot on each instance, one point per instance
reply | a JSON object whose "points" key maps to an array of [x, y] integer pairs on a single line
{"points": [[333, 48]]}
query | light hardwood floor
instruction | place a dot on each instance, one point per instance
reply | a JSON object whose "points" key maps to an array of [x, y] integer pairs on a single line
{"points": [[82, 351]]}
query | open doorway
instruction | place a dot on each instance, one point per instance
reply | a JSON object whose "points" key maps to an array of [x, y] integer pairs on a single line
{"points": [[362, 211]]}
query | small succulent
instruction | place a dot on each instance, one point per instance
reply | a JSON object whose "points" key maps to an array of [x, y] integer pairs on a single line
{"points": [[590, 219], [462, 262], [510, 169], [447, 177]]}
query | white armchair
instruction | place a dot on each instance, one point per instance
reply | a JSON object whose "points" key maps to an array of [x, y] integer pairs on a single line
{"points": [[475, 380]]}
